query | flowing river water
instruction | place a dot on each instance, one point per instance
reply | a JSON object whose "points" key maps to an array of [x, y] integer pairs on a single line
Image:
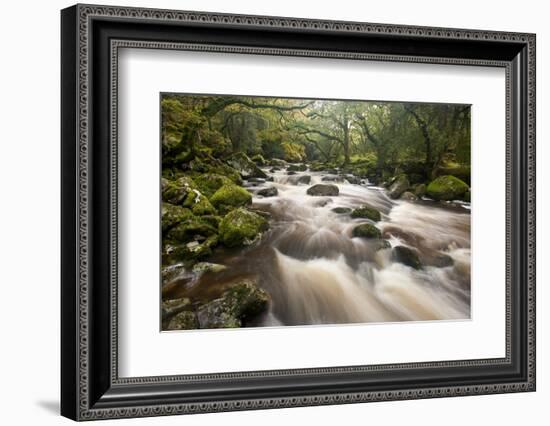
{"points": [[316, 273]]}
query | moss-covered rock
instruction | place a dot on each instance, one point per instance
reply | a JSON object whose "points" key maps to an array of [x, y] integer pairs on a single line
{"points": [[173, 215], [406, 256], [209, 183], [176, 191], [259, 160], [188, 252], [467, 196], [367, 212], [229, 197], [366, 230], [241, 302], [203, 267], [447, 188], [408, 196], [189, 228], [241, 227], [323, 190], [398, 186], [245, 166]]}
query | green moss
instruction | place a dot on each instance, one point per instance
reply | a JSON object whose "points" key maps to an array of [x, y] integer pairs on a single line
{"points": [[189, 253], [366, 212], [176, 191], [173, 215], [366, 230], [229, 197], [209, 183], [189, 228], [240, 227], [446, 188], [259, 160]]}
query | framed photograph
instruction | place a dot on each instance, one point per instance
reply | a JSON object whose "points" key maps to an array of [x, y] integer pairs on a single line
{"points": [[263, 212]]}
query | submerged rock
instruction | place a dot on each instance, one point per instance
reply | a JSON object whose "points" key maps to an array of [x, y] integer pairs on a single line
{"points": [[241, 227], [304, 179], [268, 192], [323, 190], [406, 256], [366, 230], [241, 302], [399, 185], [341, 210], [367, 212], [229, 197], [447, 188]]}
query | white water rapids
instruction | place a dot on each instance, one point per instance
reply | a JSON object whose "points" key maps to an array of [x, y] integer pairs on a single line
{"points": [[316, 273]]}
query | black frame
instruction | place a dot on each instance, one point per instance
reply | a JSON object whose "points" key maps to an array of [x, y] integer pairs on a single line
{"points": [[91, 37]]}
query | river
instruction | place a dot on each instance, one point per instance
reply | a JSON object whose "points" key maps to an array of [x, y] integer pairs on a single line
{"points": [[316, 273]]}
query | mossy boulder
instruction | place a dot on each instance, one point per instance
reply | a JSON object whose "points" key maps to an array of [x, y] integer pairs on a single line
{"points": [[241, 227], [173, 215], [198, 203], [229, 197], [185, 320], [323, 190], [406, 256], [408, 196], [304, 179], [241, 302], [447, 188], [209, 183], [188, 252], [420, 190], [366, 230], [398, 187], [366, 212], [176, 191], [259, 160], [245, 166]]}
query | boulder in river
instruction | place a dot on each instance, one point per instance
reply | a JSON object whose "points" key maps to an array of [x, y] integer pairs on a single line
{"points": [[172, 215], [304, 179], [406, 256], [185, 320], [447, 188], [241, 302], [323, 190], [268, 192], [203, 267], [229, 197], [259, 160], [420, 190], [277, 162], [241, 227], [408, 196], [367, 212], [354, 180], [245, 166], [209, 183], [176, 191], [366, 230], [399, 185], [341, 210]]}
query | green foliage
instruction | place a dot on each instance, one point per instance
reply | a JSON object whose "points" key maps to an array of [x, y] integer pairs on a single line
{"points": [[293, 152]]}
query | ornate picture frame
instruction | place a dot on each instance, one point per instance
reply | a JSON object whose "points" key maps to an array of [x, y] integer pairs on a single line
{"points": [[91, 37]]}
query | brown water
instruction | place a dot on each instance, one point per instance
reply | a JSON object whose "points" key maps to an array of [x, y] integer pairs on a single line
{"points": [[317, 274]]}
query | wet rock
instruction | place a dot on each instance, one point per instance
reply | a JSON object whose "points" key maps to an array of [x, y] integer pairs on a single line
{"points": [[199, 203], [274, 169], [203, 267], [241, 302], [408, 196], [304, 179], [268, 192], [323, 190], [186, 230], [399, 185], [406, 256], [256, 180], [245, 166], [467, 196], [420, 190], [186, 320], [297, 168], [174, 251], [366, 230], [173, 272], [229, 197], [341, 210], [277, 162], [291, 173], [332, 178], [447, 188], [270, 179], [354, 180], [241, 227], [259, 160], [367, 212], [176, 191], [382, 245]]}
